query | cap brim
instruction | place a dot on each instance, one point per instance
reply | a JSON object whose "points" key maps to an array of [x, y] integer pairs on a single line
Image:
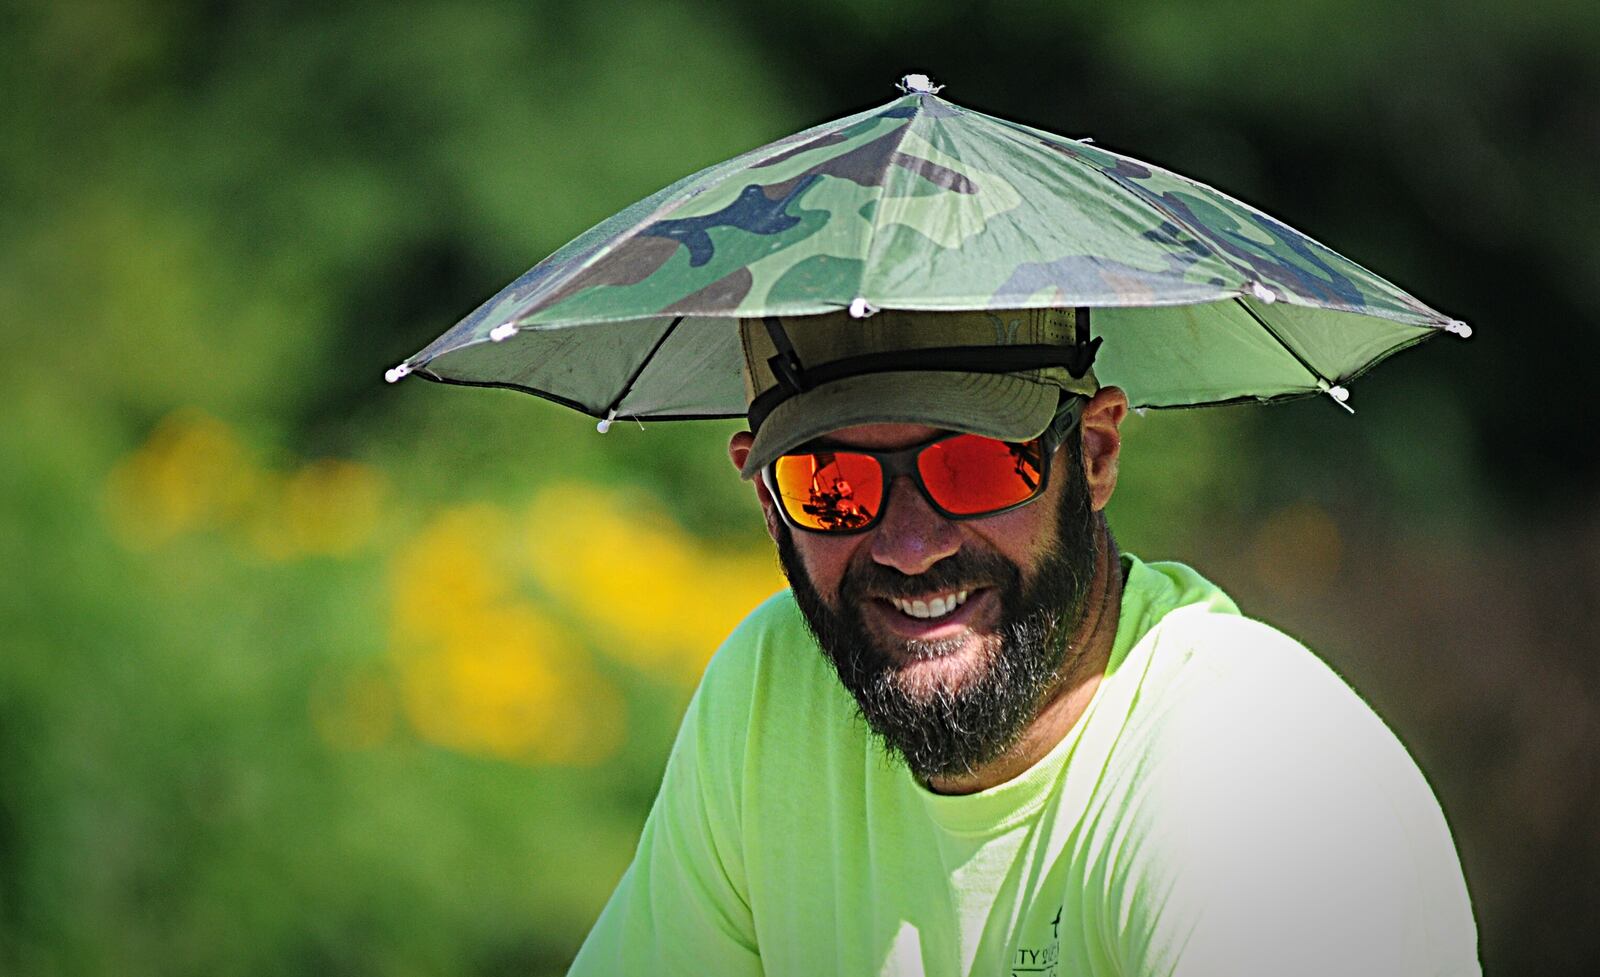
{"points": [[996, 405]]}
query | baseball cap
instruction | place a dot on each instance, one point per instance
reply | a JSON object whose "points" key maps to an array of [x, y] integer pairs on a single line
{"points": [[996, 373]]}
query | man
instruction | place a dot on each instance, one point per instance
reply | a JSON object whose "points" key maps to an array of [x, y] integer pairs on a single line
{"points": [[975, 738]]}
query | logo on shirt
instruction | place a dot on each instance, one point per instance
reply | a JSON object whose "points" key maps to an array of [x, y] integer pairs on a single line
{"points": [[1043, 960]]}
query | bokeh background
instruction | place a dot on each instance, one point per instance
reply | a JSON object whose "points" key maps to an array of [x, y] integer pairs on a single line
{"points": [[305, 674]]}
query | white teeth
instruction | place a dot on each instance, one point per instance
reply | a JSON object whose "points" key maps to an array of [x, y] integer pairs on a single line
{"points": [[937, 607]]}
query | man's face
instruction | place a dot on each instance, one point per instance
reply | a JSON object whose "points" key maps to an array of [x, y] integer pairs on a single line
{"points": [[952, 691]]}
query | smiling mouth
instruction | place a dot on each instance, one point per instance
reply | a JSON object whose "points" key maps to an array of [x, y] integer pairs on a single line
{"points": [[930, 608]]}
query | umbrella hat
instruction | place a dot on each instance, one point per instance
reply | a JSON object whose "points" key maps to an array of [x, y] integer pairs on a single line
{"points": [[922, 205]]}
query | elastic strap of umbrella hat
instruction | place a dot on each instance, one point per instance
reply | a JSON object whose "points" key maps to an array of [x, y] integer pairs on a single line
{"points": [[796, 378]]}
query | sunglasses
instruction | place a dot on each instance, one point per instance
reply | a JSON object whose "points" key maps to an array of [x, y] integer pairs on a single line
{"points": [[963, 476]]}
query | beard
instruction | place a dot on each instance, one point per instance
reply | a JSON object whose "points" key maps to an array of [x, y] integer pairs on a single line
{"points": [[953, 727]]}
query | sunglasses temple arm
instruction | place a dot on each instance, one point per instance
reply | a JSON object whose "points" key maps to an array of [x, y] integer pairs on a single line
{"points": [[1067, 419]]}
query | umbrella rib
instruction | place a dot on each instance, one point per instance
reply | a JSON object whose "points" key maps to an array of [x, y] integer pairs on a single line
{"points": [[1315, 373], [627, 388], [883, 194], [1427, 316], [556, 398], [710, 176], [1322, 382], [1160, 208]]}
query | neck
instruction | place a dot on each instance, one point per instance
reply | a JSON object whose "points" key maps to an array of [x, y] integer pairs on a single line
{"points": [[1081, 674]]}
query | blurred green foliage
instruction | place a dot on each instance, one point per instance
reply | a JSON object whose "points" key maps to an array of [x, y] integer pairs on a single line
{"points": [[292, 680]]}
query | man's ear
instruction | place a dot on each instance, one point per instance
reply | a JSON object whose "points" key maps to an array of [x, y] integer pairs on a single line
{"points": [[1101, 430], [738, 451]]}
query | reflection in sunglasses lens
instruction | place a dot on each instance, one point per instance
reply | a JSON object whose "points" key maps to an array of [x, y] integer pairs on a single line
{"points": [[830, 490], [972, 475]]}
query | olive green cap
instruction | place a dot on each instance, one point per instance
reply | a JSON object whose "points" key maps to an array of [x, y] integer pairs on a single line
{"points": [[1017, 405]]}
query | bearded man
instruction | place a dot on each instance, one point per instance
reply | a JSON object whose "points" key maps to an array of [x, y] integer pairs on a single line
{"points": [[975, 738]]}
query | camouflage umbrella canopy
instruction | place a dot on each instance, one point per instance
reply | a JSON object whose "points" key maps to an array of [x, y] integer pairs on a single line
{"points": [[923, 205]]}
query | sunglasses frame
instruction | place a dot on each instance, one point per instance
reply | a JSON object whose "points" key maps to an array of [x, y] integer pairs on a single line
{"points": [[893, 464]]}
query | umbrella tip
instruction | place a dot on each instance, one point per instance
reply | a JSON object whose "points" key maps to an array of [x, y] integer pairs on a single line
{"points": [[860, 308], [1456, 327], [918, 85], [503, 331], [1262, 292], [398, 373], [605, 422], [1340, 395]]}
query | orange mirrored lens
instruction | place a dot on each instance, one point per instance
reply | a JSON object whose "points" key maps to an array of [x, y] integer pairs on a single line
{"points": [[829, 490], [968, 475]]}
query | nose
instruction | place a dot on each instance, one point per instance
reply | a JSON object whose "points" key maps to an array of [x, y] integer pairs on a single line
{"points": [[911, 536]]}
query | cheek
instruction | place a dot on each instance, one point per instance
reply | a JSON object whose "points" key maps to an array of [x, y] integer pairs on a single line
{"points": [[1022, 535], [825, 560]]}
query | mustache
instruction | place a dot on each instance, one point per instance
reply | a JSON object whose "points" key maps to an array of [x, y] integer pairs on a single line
{"points": [[963, 570]]}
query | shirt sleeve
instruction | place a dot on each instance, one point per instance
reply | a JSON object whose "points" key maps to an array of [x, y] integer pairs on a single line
{"points": [[681, 907], [1285, 830]]}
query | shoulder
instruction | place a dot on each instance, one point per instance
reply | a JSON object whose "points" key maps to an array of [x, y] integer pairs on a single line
{"points": [[1267, 796], [1206, 666], [1215, 694], [1239, 704], [1190, 645], [1243, 740]]}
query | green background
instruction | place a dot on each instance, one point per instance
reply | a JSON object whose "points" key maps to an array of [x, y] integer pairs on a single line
{"points": [[302, 673]]}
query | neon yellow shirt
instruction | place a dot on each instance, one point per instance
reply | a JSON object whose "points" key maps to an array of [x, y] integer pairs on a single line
{"points": [[1225, 806]]}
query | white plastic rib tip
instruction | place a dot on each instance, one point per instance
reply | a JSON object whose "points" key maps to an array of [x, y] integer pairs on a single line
{"points": [[1340, 395], [605, 424], [398, 373], [918, 85], [1263, 293], [503, 332], [860, 308], [1456, 327]]}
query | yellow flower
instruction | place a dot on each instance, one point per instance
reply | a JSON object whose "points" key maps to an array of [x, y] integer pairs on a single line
{"points": [[659, 598], [328, 507], [446, 573], [191, 474], [482, 670]]}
